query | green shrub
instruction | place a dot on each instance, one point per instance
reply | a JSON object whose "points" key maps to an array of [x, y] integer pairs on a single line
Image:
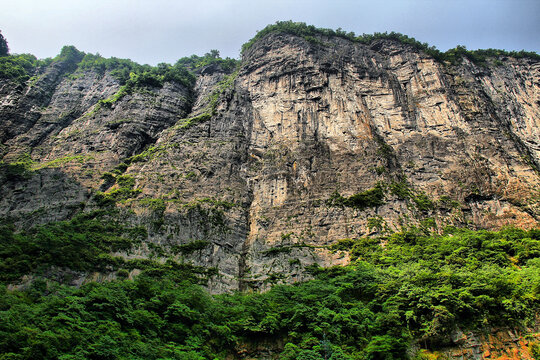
{"points": [[70, 56], [195, 62], [125, 181], [343, 244], [276, 250], [423, 202], [401, 189], [191, 247], [17, 68], [369, 198], [18, 170]]}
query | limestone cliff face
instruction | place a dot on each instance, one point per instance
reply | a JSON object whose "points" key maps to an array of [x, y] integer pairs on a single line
{"points": [[254, 163]]}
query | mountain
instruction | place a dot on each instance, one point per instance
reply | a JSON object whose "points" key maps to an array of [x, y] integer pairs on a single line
{"points": [[254, 172]]}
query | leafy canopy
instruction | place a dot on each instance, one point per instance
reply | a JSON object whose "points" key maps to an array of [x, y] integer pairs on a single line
{"points": [[416, 287]]}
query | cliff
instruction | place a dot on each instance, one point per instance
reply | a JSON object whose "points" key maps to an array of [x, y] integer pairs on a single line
{"points": [[310, 151], [262, 168]]}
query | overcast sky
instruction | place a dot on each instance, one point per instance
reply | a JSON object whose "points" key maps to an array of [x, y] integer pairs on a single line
{"points": [[154, 31]]}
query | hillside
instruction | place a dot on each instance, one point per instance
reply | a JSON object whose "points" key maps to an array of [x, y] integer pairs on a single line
{"points": [[412, 170]]}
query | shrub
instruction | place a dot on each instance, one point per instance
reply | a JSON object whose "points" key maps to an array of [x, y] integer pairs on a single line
{"points": [[365, 199], [17, 67]]}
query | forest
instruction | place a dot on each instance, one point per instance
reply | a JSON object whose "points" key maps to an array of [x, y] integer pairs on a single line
{"points": [[406, 288]]}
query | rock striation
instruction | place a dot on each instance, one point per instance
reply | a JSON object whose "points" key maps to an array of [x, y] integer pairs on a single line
{"points": [[309, 141]]}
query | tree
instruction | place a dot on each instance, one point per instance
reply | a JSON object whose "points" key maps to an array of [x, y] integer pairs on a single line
{"points": [[214, 54], [4, 49]]}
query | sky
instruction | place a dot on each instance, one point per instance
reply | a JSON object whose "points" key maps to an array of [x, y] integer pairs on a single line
{"points": [[155, 31]]}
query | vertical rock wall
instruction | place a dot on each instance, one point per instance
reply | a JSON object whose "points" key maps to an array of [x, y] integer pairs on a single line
{"points": [[248, 162]]}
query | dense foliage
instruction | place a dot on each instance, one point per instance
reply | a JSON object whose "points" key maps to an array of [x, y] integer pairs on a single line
{"points": [[311, 34], [119, 68], [81, 244], [17, 68], [195, 62], [4, 48], [369, 198], [70, 56], [132, 76], [417, 287], [21, 68]]}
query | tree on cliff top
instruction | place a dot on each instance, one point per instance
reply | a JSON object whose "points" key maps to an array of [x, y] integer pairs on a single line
{"points": [[4, 49]]}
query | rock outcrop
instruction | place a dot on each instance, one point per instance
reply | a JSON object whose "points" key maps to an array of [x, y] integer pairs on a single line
{"points": [[307, 143]]}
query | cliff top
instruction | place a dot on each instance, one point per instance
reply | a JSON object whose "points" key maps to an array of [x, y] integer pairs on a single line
{"points": [[312, 34], [19, 66]]}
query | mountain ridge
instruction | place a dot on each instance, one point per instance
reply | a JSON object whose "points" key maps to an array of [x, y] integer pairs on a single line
{"points": [[304, 160], [125, 130]]}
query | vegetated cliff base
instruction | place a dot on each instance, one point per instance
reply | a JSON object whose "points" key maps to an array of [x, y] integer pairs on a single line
{"points": [[255, 171], [496, 345]]}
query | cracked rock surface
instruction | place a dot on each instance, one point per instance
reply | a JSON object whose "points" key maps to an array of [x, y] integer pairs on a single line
{"points": [[297, 123]]}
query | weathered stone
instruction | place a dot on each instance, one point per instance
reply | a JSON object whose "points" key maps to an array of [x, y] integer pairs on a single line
{"points": [[247, 161]]}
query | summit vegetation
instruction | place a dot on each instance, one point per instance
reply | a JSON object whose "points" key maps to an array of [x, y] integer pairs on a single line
{"points": [[312, 33], [21, 67]]}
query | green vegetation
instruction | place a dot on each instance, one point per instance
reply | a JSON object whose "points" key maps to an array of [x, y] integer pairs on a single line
{"points": [[276, 250], [18, 170], [135, 77], [190, 247], [63, 160], [343, 245], [17, 68], [157, 205], [195, 62], [366, 199], [480, 56], [401, 189], [212, 101], [286, 249], [447, 203], [376, 223], [145, 155], [132, 76], [124, 191], [70, 56], [119, 68], [20, 68], [310, 33], [415, 289], [81, 244], [149, 77], [4, 48], [225, 205], [423, 202], [210, 213], [376, 196]]}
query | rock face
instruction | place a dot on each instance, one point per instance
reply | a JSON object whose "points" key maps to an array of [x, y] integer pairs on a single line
{"points": [[307, 143], [499, 344]]}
